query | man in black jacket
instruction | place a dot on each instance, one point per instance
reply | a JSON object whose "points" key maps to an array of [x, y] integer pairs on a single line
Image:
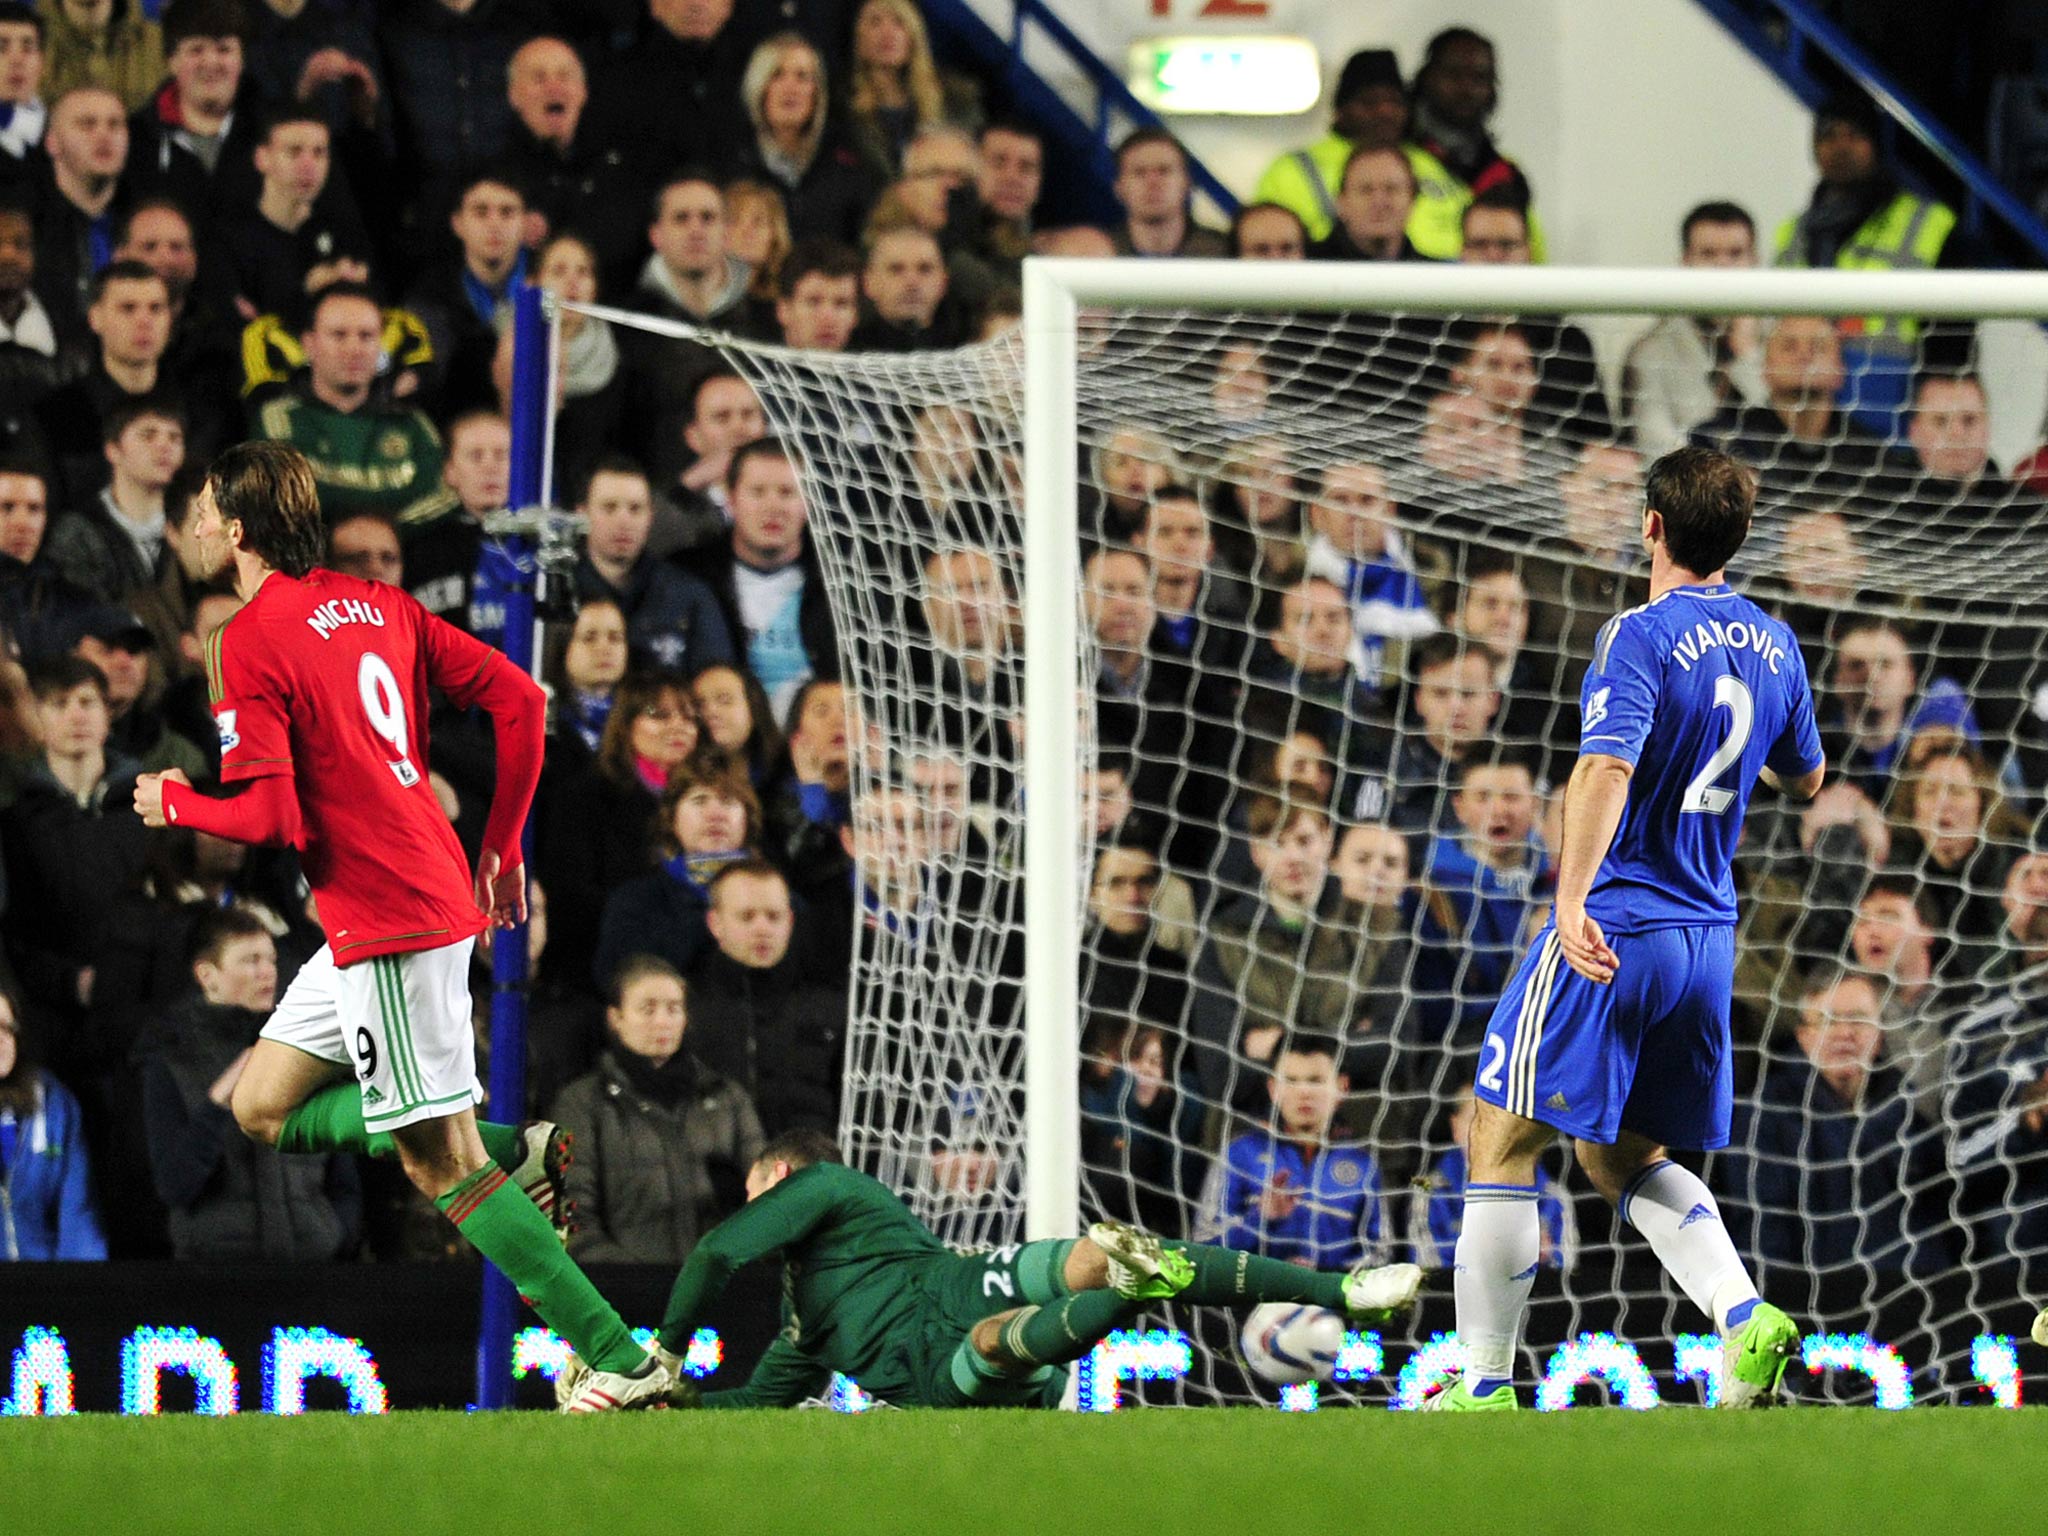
{"points": [[572, 178], [753, 1016]]}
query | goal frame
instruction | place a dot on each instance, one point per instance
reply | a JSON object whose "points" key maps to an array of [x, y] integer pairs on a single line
{"points": [[1056, 291]]}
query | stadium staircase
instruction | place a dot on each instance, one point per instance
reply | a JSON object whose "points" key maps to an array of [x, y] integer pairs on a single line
{"points": [[1080, 165], [1814, 58]]}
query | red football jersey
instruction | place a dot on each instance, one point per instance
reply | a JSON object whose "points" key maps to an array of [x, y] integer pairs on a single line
{"points": [[325, 680]]}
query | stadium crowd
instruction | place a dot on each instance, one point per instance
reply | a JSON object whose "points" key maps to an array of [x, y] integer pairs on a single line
{"points": [[1333, 699]]}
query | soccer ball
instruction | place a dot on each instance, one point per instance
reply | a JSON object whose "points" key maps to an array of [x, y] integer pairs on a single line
{"points": [[1287, 1343]]}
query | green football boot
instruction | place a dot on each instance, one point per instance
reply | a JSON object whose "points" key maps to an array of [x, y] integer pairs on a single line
{"points": [[1141, 1267], [1458, 1398], [1754, 1357]]}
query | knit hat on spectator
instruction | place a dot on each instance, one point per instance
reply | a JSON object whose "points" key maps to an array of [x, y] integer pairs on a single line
{"points": [[112, 626], [1851, 107], [1365, 69]]}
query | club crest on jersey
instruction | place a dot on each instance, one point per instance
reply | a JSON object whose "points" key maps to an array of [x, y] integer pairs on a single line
{"points": [[337, 611], [230, 737]]}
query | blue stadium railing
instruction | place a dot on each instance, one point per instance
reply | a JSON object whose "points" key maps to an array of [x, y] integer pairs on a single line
{"points": [[1074, 142], [1809, 53]]}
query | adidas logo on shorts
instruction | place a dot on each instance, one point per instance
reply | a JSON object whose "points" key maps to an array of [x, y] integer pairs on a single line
{"points": [[1556, 1101]]}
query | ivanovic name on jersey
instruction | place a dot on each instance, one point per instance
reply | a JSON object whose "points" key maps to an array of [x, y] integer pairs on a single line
{"points": [[338, 611], [1735, 636]]}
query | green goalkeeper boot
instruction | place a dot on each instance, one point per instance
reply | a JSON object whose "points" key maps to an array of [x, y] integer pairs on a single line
{"points": [[1141, 1268], [1458, 1398], [1754, 1357]]}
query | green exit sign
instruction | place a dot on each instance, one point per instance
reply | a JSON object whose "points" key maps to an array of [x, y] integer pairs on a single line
{"points": [[1240, 76]]}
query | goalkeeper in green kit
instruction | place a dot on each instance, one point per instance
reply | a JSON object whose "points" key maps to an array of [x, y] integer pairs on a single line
{"points": [[868, 1291]]}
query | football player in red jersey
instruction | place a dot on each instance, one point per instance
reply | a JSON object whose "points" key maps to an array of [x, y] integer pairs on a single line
{"points": [[319, 687]]}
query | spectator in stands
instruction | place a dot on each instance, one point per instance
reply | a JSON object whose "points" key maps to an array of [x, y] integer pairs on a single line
{"points": [[110, 45], [204, 354], [1580, 579], [2023, 943], [1893, 940], [757, 1019], [1952, 828], [664, 1142], [723, 414], [965, 681], [570, 174], [710, 817], [445, 539], [1012, 176], [733, 713], [130, 318], [1358, 548], [1374, 202], [1861, 217], [1490, 605], [1132, 465], [87, 142], [1454, 701], [1256, 513], [819, 303], [232, 1198], [757, 232], [1798, 440], [1301, 1188], [446, 63], [689, 276], [595, 824], [1439, 1216], [112, 546], [586, 672], [1687, 369], [466, 299], [1154, 186], [48, 1213], [808, 799], [675, 93], [303, 231], [1823, 569], [365, 546], [38, 607], [30, 364], [1126, 972], [1301, 678], [366, 455], [189, 141], [21, 82], [1200, 614], [1268, 232], [1141, 1133], [1875, 704], [1485, 885], [324, 57], [1275, 961], [1455, 93], [905, 282], [672, 618], [1371, 112], [896, 87], [1569, 397], [592, 404], [1957, 488], [766, 578], [1827, 1167], [120, 645], [890, 889], [793, 147]]}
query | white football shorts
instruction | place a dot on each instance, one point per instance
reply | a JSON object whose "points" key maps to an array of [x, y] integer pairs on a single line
{"points": [[402, 1022]]}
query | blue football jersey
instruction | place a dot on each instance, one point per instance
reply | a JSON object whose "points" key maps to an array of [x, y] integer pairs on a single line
{"points": [[1701, 690]]}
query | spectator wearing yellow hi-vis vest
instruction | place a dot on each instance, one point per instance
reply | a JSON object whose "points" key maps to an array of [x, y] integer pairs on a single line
{"points": [[1861, 219]]}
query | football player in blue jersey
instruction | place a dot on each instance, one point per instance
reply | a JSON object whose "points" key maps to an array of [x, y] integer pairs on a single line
{"points": [[1615, 1028]]}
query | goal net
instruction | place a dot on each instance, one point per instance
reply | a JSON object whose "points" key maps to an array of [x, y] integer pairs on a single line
{"points": [[1311, 572]]}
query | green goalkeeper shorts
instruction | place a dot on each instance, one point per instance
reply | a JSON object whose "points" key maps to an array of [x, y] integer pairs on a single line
{"points": [[959, 1291]]}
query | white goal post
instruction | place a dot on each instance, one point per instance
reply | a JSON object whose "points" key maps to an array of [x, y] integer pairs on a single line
{"points": [[1057, 295]]}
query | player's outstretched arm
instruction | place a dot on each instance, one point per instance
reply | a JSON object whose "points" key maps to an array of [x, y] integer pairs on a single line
{"points": [[267, 811], [772, 1221], [1594, 800]]}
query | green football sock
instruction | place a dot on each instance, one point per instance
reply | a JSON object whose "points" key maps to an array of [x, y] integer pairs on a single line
{"points": [[332, 1121], [510, 1231], [1042, 1269], [1225, 1277], [1067, 1330]]}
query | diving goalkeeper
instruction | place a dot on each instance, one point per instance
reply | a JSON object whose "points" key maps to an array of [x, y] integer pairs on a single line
{"points": [[868, 1291]]}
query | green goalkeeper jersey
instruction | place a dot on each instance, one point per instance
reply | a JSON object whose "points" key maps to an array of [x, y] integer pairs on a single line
{"points": [[854, 1298]]}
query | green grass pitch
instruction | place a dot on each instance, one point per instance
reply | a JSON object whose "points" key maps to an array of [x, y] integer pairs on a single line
{"points": [[1363, 1472]]}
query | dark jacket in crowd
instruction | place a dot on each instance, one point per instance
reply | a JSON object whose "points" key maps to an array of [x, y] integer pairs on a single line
{"points": [[662, 914], [662, 1155], [230, 1197], [777, 1035], [594, 835], [590, 187], [673, 619], [714, 567]]}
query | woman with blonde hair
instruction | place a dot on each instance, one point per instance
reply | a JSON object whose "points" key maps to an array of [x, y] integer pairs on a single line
{"points": [[897, 87], [757, 231], [792, 146]]}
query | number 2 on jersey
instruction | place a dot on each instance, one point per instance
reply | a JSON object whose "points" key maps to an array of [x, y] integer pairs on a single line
{"points": [[377, 686], [1702, 794]]}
